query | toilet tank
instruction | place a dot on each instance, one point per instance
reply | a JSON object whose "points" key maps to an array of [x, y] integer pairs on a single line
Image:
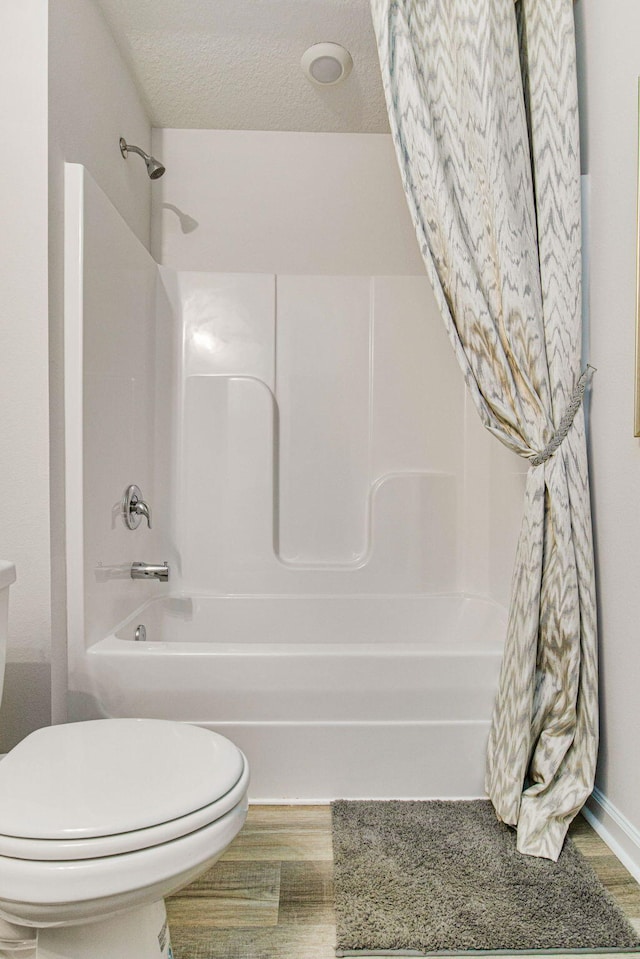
{"points": [[7, 577]]}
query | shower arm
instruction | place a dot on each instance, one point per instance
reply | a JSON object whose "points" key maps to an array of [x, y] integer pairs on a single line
{"points": [[130, 148], [155, 168]]}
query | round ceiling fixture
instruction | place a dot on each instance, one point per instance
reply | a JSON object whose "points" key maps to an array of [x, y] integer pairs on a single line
{"points": [[326, 63]]}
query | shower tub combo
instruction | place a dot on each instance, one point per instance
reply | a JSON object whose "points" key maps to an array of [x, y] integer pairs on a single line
{"points": [[358, 696], [331, 541]]}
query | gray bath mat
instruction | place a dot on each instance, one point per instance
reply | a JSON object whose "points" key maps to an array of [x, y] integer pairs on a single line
{"points": [[417, 878]]}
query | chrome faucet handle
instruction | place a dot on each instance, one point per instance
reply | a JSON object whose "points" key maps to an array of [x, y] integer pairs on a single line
{"points": [[142, 509], [134, 508]]}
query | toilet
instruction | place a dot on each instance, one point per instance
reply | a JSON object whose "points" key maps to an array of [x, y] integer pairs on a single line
{"points": [[99, 821]]}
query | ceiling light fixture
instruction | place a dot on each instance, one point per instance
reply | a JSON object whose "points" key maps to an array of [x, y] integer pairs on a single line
{"points": [[326, 63]]}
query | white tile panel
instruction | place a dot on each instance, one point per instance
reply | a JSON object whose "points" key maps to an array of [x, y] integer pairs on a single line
{"points": [[228, 489], [228, 323], [322, 389], [418, 391]]}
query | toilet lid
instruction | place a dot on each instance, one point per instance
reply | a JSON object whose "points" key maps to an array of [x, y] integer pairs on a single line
{"points": [[101, 847], [111, 776]]}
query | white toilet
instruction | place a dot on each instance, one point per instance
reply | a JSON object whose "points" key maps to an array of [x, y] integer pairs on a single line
{"points": [[99, 821]]}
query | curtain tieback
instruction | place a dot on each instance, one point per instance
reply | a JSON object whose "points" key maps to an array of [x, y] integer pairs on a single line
{"points": [[565, 423]]}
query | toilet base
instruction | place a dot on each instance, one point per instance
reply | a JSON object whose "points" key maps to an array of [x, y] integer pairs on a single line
{"points": [[140, 933]]}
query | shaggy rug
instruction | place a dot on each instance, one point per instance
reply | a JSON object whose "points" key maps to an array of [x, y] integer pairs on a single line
{"points": [[418, 878]]}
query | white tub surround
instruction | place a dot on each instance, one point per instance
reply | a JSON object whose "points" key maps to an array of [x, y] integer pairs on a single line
{"points": [[302, 468], [118, 404]]}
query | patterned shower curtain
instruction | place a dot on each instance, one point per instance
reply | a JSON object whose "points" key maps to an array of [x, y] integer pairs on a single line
{"points": [[482, 104]]}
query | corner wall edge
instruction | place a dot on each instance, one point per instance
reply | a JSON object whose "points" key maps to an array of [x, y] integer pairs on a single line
{"points": [[620, 835]]}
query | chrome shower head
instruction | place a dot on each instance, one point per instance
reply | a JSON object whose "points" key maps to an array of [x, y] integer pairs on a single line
{"points": [[155, 169]]}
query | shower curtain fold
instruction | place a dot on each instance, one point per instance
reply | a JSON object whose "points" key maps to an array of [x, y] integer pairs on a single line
{"points": [[482, 104]]}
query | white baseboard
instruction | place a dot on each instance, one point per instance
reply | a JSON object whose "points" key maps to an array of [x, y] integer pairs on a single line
{"points": [[622, 838]]}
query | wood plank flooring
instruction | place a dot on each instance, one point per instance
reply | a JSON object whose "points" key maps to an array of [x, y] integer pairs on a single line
{"points": [[271, 896]]}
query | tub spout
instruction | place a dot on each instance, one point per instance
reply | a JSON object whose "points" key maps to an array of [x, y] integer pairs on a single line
{"points": [[150, 571]]}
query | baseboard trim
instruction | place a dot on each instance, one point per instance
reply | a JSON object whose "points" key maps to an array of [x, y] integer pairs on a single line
{"points": [[622, 838]]}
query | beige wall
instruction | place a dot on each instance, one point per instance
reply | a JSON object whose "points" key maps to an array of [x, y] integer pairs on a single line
{"points": [[609, 56]]}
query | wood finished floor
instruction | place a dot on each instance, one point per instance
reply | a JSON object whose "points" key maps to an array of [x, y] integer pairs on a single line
{"points": [[271, 897]]}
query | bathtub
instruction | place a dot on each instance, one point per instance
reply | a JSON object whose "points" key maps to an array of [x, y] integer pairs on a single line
{"points": [[328, 696]]}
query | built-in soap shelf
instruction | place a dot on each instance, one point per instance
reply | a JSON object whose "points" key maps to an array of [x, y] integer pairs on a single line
{"points": [[242, 519]]}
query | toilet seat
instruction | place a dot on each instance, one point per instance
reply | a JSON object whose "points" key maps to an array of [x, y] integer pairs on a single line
{"points": [[107, 787], [52, 893]]}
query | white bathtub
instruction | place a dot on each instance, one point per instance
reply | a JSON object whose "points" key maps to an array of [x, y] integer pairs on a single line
{"points": [[329, 696]]}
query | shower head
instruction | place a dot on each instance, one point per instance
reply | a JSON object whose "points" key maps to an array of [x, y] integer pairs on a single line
{"points": [[154, 168]]}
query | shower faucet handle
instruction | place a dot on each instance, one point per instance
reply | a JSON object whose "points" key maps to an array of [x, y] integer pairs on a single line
{"points": [[142, 509], [134, 508]]}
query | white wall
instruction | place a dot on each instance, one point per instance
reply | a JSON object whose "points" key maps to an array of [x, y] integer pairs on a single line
{"points": [[65, 94], [90, 101], [24, 423], [93, 101], [265, 202], [609, 59]]}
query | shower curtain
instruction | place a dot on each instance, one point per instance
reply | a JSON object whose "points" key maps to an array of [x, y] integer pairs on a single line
{"points": [[482, 104]]}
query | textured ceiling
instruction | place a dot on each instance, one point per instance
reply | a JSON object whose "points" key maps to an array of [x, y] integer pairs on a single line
{"points": [[235, 64]]}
